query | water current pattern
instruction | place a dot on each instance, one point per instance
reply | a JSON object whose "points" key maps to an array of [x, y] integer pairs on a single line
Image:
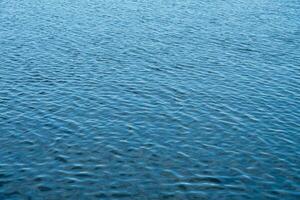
{"points": [[149, 100]]}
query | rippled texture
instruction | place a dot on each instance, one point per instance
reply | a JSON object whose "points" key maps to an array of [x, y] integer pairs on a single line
{"points": [[181, 99]]}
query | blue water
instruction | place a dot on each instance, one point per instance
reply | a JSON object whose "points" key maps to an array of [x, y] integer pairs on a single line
{"points": [[154, 100]]}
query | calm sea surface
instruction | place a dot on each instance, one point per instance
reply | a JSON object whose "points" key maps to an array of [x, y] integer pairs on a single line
{"points": [[149, 100]]}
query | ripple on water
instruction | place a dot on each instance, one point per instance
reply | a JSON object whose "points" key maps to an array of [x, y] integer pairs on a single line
{"points": [[149, 100]]}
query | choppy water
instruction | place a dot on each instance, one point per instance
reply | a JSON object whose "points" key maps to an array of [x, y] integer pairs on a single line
{"points": [[124, 99]]}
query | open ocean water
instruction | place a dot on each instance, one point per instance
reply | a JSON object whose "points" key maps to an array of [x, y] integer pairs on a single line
{"points": [[149, 100]]}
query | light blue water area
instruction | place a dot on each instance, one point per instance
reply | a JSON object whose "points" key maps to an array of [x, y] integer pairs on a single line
{"points": [[162, 99]]}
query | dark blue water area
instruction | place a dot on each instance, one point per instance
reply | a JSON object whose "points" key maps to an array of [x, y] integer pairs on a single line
{"points": [[149, 100]]}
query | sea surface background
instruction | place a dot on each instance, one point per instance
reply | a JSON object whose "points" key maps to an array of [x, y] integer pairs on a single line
{"points": [[160, 99]]}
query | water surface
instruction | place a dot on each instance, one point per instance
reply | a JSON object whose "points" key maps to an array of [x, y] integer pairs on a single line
{"points": [[124, 99]]}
